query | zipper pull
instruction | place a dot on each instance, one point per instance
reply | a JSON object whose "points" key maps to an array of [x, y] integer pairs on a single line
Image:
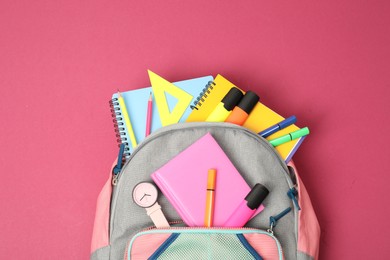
{"points": [[118, 167], [274, 219], [292, 194], [114, 180]]}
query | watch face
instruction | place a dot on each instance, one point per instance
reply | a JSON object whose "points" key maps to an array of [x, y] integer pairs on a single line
{"points": [[145, 194]]}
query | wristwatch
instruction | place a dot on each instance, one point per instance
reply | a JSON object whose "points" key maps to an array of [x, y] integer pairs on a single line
{"points": [[145, 195]]}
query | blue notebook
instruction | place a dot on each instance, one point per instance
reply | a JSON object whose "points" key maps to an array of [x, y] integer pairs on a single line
{"points": [[137, 102]]}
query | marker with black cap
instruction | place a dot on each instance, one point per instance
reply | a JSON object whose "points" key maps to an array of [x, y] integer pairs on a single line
{"points": [[247, 207], [223, 109], [241, 112]]}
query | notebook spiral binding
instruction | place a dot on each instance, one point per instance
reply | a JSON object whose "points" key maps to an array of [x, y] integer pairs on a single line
{"points": [[119, 126], [203, 95]]}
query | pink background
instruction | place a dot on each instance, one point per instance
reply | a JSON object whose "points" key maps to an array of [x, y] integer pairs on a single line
{"points": [[60, 61]]}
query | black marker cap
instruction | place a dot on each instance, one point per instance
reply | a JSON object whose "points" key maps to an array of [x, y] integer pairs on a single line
{"points": [[232, 98], [256, 196], [248, 102]]}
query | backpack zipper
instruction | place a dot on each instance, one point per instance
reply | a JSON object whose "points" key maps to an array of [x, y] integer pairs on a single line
{"points": [[293, 194], [274, 219], [118, 167]]}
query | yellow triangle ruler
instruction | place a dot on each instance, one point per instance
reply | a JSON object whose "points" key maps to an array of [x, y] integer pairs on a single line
{"points": [[161, 86]]}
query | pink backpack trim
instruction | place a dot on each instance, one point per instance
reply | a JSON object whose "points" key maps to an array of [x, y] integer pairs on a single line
{"points": [[308, 227], [100, 235]]}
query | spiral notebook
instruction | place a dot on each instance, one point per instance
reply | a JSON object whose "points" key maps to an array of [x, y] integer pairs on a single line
{"points": [[183, 181], [259, 119], [136, 103]]}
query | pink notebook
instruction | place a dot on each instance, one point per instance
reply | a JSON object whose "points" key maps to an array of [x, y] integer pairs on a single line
{"points": [[183, 181]]}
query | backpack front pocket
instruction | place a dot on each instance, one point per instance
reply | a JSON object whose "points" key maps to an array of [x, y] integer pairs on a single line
{"points": [[204, 243]]}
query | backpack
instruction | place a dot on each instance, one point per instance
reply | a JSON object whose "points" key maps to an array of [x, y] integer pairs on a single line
{"points": [[287, 228]]}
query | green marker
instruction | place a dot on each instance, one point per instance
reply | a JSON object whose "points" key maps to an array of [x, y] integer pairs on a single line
{"points": [[289, 137]]}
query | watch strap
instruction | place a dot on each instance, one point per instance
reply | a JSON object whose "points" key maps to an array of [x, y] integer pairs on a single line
{"points": [[157, 216]]}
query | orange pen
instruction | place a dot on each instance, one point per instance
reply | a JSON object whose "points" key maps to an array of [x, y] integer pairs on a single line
{"points": [[210, 197], [241, 112]]}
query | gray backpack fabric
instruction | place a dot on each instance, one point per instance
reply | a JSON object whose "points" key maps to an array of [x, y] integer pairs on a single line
{"points": [[254, 158]]}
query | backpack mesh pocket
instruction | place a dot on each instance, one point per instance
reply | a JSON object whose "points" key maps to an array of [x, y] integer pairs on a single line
{"points": [[205, 246], [203, 243]]}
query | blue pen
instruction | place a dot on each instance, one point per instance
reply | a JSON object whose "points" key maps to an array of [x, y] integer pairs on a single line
{"points": [[279, 126]]}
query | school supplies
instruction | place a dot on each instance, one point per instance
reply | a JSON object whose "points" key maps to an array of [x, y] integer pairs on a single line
{"points": [[149, 115], [161, 87], [227, 104], [135, 101], [259, 119], [241, 112], [182, 181], [247, 207], [126, 118], [273, 129], [290, 136], [210, 198]]}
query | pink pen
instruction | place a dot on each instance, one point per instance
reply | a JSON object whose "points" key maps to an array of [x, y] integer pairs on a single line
{"points": [[247, 207], [149, 115]]}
